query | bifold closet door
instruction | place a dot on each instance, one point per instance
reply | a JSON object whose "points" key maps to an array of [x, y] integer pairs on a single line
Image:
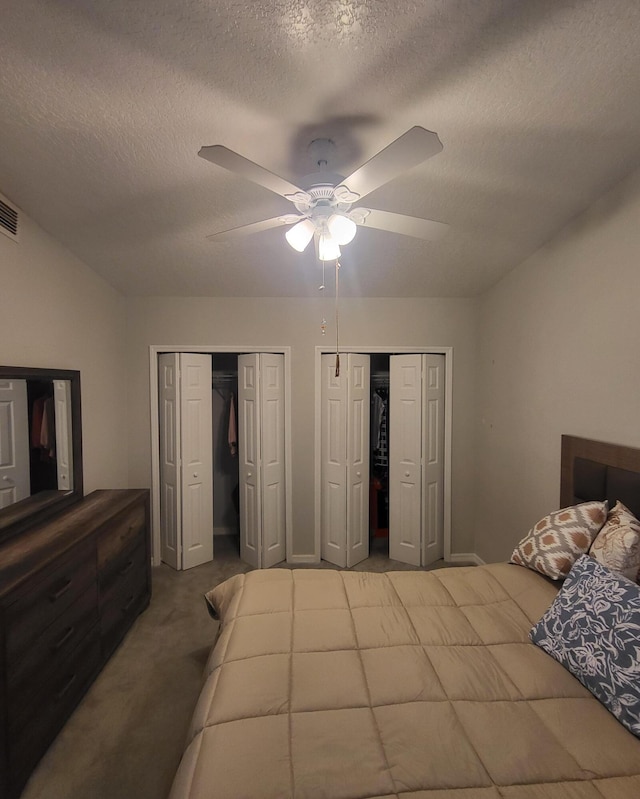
{"points": [[405, 458], [345, 408], [64, 446], [261, 454], [186, 459], [416, 463], [433, 459], [15, 482]]}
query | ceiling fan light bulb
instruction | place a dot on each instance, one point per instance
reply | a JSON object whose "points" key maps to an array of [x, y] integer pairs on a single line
{"points": [[328, 249], [342, 228], [300, 234]]}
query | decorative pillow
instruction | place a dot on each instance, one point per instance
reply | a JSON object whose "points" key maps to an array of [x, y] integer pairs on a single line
{"points": [[593, 629], [558, 540], [617, 545]]}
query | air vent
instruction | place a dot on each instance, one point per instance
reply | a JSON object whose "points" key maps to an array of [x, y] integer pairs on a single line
{"points": [[8, 219]]}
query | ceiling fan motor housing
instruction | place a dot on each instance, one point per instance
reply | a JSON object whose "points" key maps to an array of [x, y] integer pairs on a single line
{"points": [[321, 198]]}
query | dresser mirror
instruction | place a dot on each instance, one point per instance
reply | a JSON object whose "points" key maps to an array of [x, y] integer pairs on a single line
{"points": [[40, 445]]}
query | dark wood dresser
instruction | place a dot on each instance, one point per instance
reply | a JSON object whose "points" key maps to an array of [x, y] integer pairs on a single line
{"points": [[70, 588]]}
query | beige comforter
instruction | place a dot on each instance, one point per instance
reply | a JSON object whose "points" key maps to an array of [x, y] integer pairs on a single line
{"points": [[406, 684]]}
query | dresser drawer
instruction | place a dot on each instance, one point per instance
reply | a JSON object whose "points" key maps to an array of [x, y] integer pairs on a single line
{"points": [[58, 688], [53, 645], [125, 531], [50, 594], [122, 603], [120, 567], [31, 731]]}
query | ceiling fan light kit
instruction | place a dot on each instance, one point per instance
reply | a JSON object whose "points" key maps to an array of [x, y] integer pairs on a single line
{"points": [[342, 228], [328, 248], [300, 234], [329, 234]]}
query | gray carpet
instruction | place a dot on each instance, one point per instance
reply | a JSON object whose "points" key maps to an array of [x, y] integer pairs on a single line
{"points": [[125, 739]]}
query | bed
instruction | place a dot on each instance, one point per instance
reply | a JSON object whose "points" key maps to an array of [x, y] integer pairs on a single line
{"points": [[419, 685]]}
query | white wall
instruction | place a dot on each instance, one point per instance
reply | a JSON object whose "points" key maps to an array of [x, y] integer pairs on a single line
{"points": [[237, 322], [559, 353], [56, 313]]}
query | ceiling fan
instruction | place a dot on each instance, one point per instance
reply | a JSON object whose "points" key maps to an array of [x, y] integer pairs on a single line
{"points": [[324, 200]]}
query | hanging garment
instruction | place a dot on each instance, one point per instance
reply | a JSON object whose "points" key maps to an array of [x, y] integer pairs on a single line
{"points": [[36, 423], [48, 429], [378, 413], [232, 433]]}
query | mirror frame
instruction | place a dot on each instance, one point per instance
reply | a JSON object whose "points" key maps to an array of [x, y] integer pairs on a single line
{"points": [[16, 518]]}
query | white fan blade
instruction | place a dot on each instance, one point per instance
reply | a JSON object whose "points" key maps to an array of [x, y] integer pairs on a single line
{"points": [[255, 227], [406, 225], [222, 156], [409, 150]]}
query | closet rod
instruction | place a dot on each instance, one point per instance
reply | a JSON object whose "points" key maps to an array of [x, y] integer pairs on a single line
{"points": [[223, 377]]}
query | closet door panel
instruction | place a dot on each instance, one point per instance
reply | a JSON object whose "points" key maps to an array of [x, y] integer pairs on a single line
{"points": [[170, 484], [358, 426], [333, 522], [14, 442], [197, 459], [64, 444], [249, 460], [433, 509], [345, 459], [272, 448], [405, 458]]}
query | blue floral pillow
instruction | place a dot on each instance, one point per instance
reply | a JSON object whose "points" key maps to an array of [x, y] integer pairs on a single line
{"points": [[593, 629]]}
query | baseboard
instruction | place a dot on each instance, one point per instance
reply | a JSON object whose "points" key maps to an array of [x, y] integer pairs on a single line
{"points": [[466, 557], [303, 560], [225, 531]]}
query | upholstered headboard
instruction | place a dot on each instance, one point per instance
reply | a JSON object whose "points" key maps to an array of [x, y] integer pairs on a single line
{"points": [[596, 470]]}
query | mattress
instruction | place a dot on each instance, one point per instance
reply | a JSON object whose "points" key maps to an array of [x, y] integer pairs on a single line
{"points": [[419, 685]]}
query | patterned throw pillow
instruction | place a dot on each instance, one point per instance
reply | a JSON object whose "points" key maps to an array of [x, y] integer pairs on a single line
{"points": [[593, 629], [558, 540], [617, 545]]}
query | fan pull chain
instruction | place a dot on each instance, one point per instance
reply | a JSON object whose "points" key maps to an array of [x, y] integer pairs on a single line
{"points": [[337, 318], [323, 325]]}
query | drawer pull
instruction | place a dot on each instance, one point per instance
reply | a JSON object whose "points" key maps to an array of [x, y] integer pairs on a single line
{"points": [[126, 569], [61, 591], [126, 535], [62, 641], [65, 688], [130, 602]]}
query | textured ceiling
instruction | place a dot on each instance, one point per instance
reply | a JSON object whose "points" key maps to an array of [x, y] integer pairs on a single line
{"points": [[104, 105]]}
